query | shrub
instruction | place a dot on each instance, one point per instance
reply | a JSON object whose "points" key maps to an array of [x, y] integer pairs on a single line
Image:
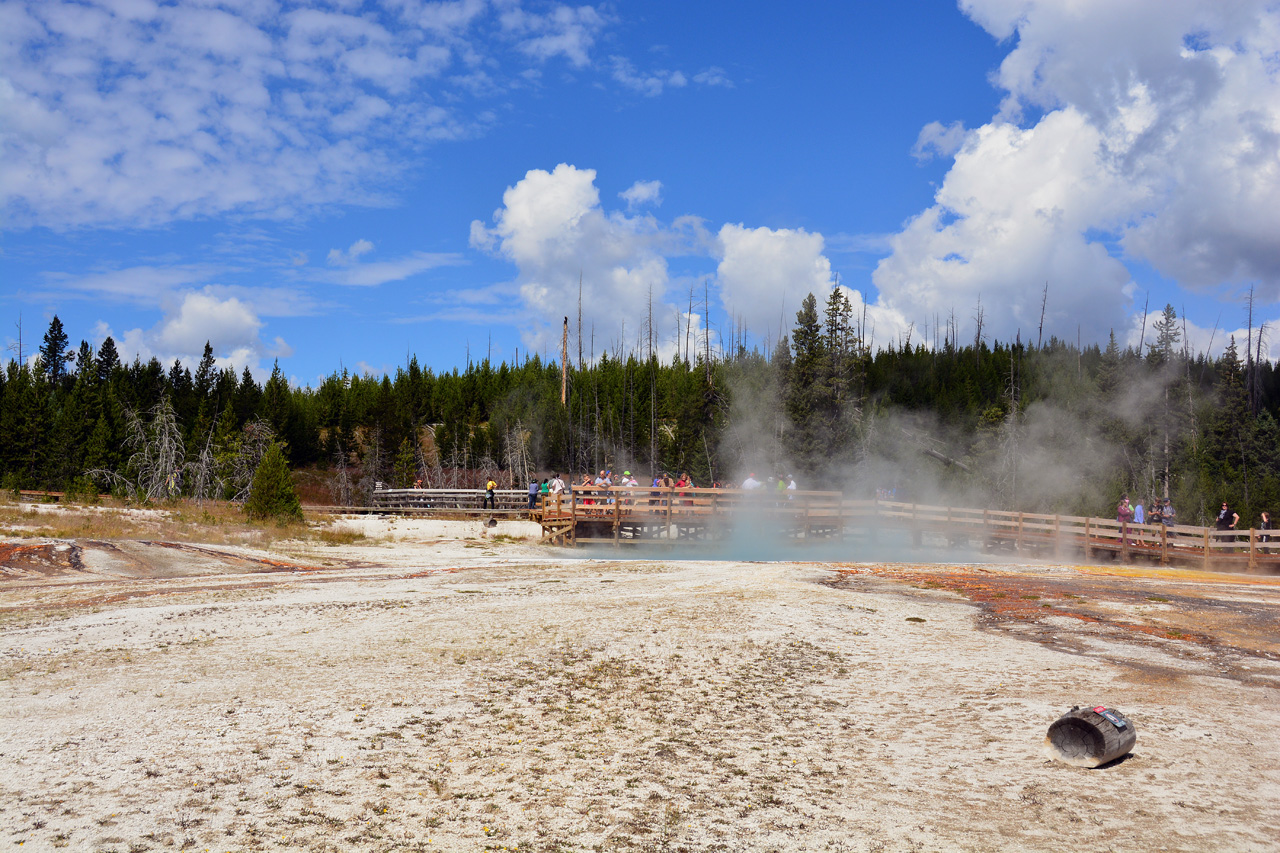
{"points": [[82, 490], [271, 494]]}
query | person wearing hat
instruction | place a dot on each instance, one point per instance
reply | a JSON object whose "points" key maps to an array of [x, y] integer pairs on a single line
{"points": [[751, 482]]}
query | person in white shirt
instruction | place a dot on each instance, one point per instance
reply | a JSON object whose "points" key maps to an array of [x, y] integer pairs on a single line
{"points": [[751, 482], [557, 485], [791, 487]]}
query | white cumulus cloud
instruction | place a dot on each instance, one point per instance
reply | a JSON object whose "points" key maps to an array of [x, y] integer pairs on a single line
{"points": [[1154, 136], [231, 327], [764, 274], [552, 227]]}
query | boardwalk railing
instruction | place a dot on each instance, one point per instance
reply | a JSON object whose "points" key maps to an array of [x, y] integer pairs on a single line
{"points": [[430, 500], [637, 514]]}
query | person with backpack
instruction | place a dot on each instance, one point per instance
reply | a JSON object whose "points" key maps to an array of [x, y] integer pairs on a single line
{"points": [[489, 488]]}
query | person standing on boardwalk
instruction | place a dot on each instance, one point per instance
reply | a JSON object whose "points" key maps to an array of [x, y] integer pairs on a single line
{"points": [[533, 493], [1124, 512], [1266, 524], [1124, 515], [489, 488], [1139, 514], [1227, 520]]}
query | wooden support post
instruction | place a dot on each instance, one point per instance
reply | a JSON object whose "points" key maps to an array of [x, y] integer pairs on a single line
{"points": [[1057, 535], [670, 500], [1253, 549], [617, 521], [1088, 551], [1164, 545], [1206, 549], [573, 519], [1124, 542], [1018, 540]]}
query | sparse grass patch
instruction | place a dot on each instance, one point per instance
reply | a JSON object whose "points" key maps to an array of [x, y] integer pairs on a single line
{"points": [[330, 536]]}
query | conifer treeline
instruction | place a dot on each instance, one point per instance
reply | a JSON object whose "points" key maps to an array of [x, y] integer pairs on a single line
{"points": [[1044, 427]]}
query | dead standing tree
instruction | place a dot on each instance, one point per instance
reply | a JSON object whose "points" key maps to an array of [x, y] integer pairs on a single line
{"points": [[429, 467], [242, 459], [202, 472], [156, 462], [372, 467], [518, 460], [341, 487]]}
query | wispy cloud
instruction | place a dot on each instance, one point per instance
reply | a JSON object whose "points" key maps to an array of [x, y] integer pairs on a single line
{"points": [[649, 83], [713, 76], [382, 272], [860, 244], [145, 285], [142, 114], [642, 192]]}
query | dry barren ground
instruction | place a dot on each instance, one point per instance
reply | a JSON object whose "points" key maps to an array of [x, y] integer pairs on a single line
{"points": [[429, 694]]}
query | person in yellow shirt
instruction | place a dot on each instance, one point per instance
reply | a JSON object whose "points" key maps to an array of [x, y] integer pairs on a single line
{"points": [[488, 494]]}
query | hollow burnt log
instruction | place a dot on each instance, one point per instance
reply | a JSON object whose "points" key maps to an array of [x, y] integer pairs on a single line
{"points": [[1090, 737]]}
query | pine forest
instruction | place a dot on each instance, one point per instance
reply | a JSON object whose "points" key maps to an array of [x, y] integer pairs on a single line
{"points": [[1044, 425]]}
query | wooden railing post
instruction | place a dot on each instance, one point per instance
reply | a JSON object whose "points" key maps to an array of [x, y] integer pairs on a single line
{"points": [[1164, 545], [1206, 549], [617, 519], [573, 518], [1088, 551], [1253, 549]]}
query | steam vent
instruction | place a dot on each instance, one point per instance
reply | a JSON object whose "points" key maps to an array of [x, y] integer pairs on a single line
{"points": [[1090, 737]]}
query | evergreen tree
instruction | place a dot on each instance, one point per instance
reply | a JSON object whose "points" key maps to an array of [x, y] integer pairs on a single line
{"points": [[272, 494], [247, 397], [1165, 347], [275, 401], [1109, 372], [810, 397], [108, 361], [206, 373], [85, 365], [406, 467], [54, 354]]}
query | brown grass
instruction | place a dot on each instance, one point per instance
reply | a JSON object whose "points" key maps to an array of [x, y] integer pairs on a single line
{"points": [[218, 523]]}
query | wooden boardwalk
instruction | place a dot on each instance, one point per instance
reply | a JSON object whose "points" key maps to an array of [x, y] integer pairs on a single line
{"points": [[644, 515]]}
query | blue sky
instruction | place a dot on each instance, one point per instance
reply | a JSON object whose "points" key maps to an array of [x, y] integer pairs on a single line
{"points": [[341, 185]]}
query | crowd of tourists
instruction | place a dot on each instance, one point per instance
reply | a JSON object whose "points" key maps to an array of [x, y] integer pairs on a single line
{"points": [[549, 487], [1162, 512]]}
